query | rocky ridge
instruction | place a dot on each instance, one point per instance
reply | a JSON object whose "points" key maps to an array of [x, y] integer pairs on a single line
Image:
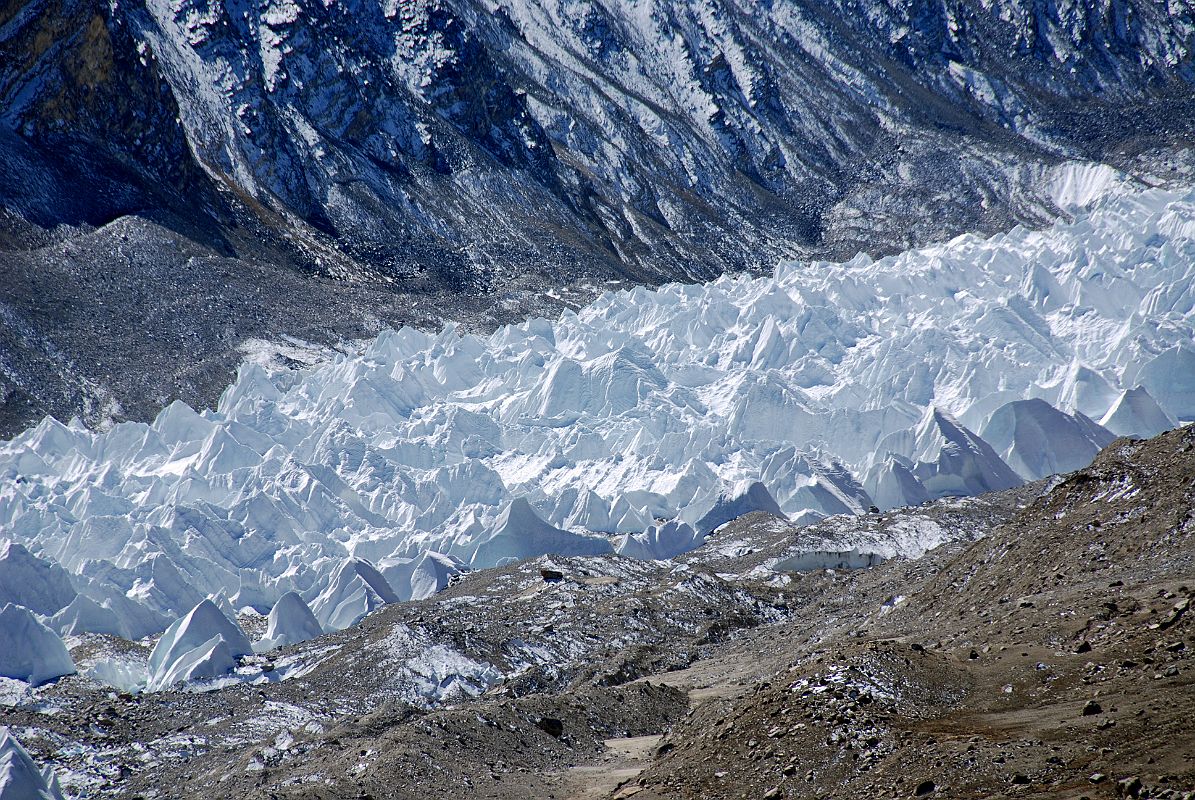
{"points": [[1050, 658]]}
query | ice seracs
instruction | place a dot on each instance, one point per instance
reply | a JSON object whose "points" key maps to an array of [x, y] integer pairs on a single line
{"points": [[221, 601], [662, 540], [950, 460], [806, 485], [1136, 413], [1170, 375], [354, 589], [290, 621], [625, 424], [1038, 440], [41, 586], [519, 532], [204, 643], [29, 651], [85, 615], [893, 484], [753, 497], [1085, 391], [136, 620], [421, 576], [212, 658], [815, 560], [20, 778]]}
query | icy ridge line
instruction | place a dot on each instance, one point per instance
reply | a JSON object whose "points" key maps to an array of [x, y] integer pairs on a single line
{"points": [[636, 424]]}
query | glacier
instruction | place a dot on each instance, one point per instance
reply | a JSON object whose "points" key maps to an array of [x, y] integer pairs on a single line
{"points": [[354, 589], [290, 622], [41, 586], [634, 424]]}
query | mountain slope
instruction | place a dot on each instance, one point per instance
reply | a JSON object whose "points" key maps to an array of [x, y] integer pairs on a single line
{"points": [[1049, 658], [476, 154]]}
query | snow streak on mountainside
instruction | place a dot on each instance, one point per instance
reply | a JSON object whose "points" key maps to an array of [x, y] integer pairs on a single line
{"points": [[818, 390]]}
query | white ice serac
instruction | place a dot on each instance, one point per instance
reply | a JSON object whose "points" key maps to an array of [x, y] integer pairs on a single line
{"points": [[41, 586], [204, 643], [29, 651], [354, 589], [20, 778], [290, 622]]}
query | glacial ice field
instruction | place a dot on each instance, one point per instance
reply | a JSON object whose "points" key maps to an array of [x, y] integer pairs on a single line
{"points": [[637, 424]]}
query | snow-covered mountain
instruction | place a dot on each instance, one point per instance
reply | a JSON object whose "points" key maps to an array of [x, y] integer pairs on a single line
{"points": [[293, 167], [636, 424]]}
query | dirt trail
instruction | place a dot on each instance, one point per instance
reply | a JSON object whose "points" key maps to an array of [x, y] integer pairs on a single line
{"points": [[623, 761], [723, 677]]}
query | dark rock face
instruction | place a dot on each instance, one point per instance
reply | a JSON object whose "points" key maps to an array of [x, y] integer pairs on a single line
{"points": [[470, 149]]}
